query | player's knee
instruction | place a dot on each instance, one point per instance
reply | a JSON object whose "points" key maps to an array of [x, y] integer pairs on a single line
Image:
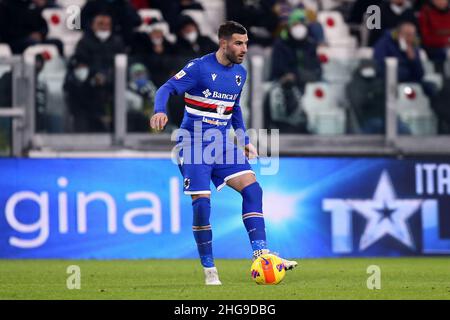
{"points": [[201, 208], [252, 198]]}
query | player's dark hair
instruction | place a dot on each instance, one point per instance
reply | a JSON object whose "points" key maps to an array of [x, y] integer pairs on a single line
{"points": [[229, 28]]}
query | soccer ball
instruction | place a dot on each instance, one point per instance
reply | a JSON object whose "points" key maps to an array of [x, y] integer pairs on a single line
{"points": [[268, 269]]}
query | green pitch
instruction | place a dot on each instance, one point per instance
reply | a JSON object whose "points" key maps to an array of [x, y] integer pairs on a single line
{"points": [[401, 278]]}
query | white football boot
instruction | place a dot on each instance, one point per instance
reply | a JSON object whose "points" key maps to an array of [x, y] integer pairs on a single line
{"points": [[288, 264], [212, 277]]}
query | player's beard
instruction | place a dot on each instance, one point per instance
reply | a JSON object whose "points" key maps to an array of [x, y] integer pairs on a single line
{"points": [[233, 58]]}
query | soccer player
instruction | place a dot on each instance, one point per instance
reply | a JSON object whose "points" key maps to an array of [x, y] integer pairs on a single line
{"points": [[212, 86]]}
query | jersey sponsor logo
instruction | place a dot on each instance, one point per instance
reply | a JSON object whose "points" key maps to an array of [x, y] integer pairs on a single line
{"points": [[180, 75], [218, 95], [214, 122], [214, 76], [238, 80], [206, 93]]}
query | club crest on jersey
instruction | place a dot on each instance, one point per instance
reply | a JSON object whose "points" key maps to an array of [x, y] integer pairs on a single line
{"points": [[214, 76], [180, 75], [238, 80], [220, 109]]}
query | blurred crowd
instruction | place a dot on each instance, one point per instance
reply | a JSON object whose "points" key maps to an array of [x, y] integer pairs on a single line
{"points": [[290, 28]]}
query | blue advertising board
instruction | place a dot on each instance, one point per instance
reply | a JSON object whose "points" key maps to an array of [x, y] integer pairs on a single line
{"points": [[135, 208]]}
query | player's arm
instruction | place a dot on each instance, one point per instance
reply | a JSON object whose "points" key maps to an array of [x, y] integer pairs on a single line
{"points": [[178, 84], [238, 124]]}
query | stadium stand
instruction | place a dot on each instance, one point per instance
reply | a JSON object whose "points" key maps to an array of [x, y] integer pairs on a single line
{"points": [[325, 102]]}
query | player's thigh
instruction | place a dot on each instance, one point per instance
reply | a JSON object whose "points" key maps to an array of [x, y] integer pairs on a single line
{"points": [[196, 179], [197, 196], [240, 182]]}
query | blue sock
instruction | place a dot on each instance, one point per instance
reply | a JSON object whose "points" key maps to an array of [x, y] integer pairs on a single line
{"points": [[253, 217], [202, 230]]}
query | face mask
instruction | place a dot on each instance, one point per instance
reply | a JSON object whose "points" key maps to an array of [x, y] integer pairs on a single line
{"points": [[141, 82], [294, 3], [299, 32], [157, 41], [402, 43], [81, 73], [368, 72], [103, 35], [191, 36], [398, 10]]}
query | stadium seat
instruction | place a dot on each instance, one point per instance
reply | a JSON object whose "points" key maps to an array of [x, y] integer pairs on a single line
{"points": [[68, 3], [163, 26], [311, 4], [337, 63], [324, 116], [55, 19], [337, 32], [214, 12], [430, 73], [49, 51], [365, 53], [199, 17], [414, 109], [330, 4], [57, 29], [5, 50], [149, 15]]}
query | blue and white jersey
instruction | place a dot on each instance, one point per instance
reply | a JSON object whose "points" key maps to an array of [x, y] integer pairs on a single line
{"points": [[211, 93]]}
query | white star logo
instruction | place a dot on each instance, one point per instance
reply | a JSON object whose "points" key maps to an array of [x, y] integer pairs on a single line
{"points": [[379, 225]]}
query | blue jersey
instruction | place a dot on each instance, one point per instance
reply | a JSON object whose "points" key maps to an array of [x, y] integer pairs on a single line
{"points": [[211, 94]]}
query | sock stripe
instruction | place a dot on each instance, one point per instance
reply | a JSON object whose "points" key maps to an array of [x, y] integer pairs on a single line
{"points": [[252, 215], [201, 228]]}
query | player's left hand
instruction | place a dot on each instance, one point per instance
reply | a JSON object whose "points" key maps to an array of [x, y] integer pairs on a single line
{"points": [[250, 151]]}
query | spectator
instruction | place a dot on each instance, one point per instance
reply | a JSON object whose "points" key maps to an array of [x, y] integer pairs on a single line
{"points": [[356, 17], [284, 8], [359, 9], [434, 22], [124, 16], [97, 50], [151, 48], [22, 24], [294, 57], [170, 10], [190, 5], [84, 103], [258, 17], [401, 43], [140, 4], [392, 13], [283, 109], [190, 43], [367, 97], [140, 98]]}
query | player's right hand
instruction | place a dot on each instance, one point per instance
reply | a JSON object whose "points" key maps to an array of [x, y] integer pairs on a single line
{"points": [[158, 121]]}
